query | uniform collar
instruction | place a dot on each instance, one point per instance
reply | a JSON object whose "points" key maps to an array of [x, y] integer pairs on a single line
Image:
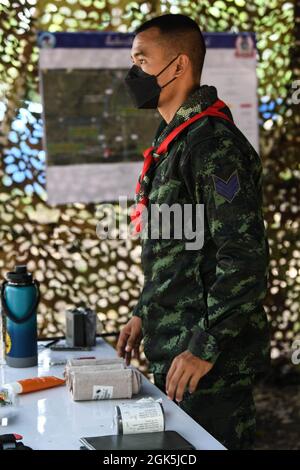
{"points": [[196, 102]]}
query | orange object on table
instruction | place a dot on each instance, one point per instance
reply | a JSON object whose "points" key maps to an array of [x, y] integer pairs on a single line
{"points": [[36, 383]]}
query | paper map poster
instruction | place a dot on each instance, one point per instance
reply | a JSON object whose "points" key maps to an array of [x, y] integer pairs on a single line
{"points": [[94, 137]]}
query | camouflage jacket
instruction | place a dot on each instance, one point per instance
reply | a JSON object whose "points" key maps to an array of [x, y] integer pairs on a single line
{"points": [[209, 300]]}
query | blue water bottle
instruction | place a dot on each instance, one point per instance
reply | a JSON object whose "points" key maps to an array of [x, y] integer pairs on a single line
{"points": [[20, 296]]}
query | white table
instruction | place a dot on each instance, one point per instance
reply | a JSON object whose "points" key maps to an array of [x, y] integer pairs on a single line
{"points": [[50, 419]]}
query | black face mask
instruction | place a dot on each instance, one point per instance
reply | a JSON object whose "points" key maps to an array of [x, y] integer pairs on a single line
{"points": [[144, 88]]}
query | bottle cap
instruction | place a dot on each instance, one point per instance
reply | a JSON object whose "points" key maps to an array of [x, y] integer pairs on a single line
{"points": [[20, 275]]}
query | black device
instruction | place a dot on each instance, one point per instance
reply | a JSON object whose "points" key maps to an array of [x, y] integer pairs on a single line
{"points": [[169, 440], [80, 327], [12, 442]]}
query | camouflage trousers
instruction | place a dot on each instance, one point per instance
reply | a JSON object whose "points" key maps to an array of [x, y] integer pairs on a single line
{"points": [[223, 407]]}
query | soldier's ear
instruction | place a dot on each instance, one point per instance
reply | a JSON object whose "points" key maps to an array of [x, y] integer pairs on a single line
{"points": [[182, 64]]}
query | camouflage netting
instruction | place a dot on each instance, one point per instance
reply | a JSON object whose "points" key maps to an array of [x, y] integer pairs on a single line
{"points": [[60, 244]]}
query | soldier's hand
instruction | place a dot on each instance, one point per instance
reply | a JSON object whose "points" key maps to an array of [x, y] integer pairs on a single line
{"points": [[186, 369], [129, 339]]}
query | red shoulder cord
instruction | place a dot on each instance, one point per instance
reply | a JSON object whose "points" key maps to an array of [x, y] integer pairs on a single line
{"points": [[213, 110]]}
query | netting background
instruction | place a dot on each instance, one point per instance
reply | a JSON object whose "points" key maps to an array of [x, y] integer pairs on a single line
{"points": [[59, 244]]}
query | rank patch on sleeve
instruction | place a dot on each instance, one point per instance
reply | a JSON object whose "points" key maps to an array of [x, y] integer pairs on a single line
{"points": [[228, 189]]}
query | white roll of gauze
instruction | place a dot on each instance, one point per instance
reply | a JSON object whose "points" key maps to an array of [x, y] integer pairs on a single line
{"points": [[92, 383], [93, 362], [84, 364], [145, 415], [136, 381]]}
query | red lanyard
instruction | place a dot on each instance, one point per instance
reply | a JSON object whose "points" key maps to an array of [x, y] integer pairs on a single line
{"points": [[213, 110]]}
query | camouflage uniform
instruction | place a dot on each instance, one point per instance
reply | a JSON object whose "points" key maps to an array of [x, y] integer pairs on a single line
{"points": [[208, 301], [223, 406]]}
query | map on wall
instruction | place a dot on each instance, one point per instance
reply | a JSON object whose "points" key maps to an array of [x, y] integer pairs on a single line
{"points": [[94, 137]]}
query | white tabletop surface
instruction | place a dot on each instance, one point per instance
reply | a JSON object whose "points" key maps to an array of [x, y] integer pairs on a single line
{"points": [[50, 419]]}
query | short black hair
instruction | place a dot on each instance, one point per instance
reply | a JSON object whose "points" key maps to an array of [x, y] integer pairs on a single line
{"points": [[182, 35]]}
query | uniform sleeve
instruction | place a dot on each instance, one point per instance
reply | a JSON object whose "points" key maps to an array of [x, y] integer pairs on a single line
{"points": [[137, 310], [227, 180]]}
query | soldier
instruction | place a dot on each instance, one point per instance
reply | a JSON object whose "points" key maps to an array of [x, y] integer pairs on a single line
{"points": [[200, 312]]}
